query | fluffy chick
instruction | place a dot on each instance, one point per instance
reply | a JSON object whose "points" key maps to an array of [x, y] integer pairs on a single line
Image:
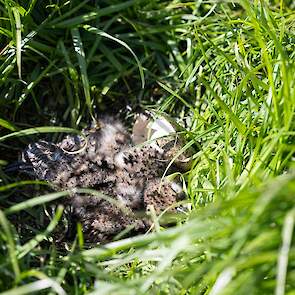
{"points": [[106, 159]]}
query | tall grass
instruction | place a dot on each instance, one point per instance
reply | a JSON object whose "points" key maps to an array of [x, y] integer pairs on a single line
{"points": [[224, 70]]}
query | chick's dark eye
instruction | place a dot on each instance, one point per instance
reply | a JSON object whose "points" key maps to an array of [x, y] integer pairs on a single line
{"points": [[104, 164]]}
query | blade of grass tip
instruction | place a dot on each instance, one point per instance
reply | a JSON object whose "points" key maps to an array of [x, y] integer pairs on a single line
{"points": [[36, 287], [31, 6], [106, 35], [10, 245], [18, 40], [222, 281], [36, 130], [29, 246], [8, 125], [284, 253], [78, 46], [109, 81], [40, 200]]}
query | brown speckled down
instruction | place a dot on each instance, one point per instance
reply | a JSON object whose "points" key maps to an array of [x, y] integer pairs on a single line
{"points": [[107, 160]]}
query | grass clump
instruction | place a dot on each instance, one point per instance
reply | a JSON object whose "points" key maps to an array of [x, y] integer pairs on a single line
{"points": [[225, 71]]}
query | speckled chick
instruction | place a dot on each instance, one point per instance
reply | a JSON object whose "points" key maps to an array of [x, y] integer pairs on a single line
{"points": [[106, 159]]}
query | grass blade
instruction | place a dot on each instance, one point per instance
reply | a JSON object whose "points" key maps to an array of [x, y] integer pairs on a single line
{"points": [[37, 286], [78, 45], [18, 40], [21, 183], [36, 201], [8, 125], [36, 130], [10, 245], [284, 253]]}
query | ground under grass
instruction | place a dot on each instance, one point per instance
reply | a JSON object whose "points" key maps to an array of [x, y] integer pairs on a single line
{"points": [[223, 70]]}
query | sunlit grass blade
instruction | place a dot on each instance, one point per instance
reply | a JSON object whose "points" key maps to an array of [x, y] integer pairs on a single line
{"points": [[8, 125], [36, 286], [283, 258]]}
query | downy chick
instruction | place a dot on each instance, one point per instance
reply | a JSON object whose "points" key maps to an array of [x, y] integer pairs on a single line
{"points": [[108, 159]]}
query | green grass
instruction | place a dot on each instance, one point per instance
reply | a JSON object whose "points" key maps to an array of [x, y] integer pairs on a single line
{"points": [[222, 69]]}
